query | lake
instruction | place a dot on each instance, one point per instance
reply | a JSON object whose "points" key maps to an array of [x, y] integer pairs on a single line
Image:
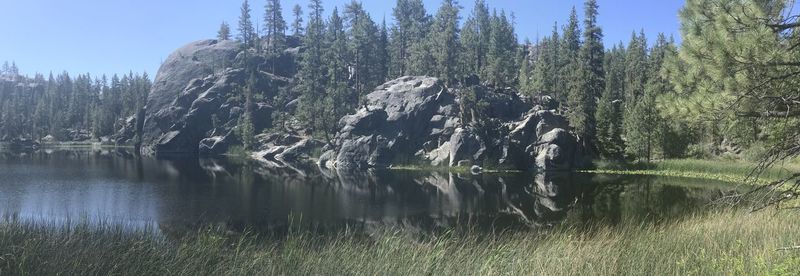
{"points": [[178, 195]]}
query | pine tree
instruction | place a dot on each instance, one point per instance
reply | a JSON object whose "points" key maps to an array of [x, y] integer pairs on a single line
{"points": [[527, 70], [570, 46], [363, 47], [247, 34], [609, 107], [500, 67], [339, 98], [540, 81], [554, 64], [444, 39], [297, 24], [644, 127], [245, 129], [588, 83], [407, 38], [14, 70], [384, 60], [275, 27], [637, 120], [475, 38], [593, 51], [224, 32], [635, 67], [311, 77]]}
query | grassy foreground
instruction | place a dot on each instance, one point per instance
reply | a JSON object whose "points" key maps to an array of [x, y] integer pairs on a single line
{"points": [[715, 243]]}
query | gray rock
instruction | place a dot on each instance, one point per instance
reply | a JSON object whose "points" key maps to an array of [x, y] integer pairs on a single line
{"points": [[327, 160], [216, 145], [476, 169], [284, 150], [555, 150], [441, 155], [177, 88], [463, 163], [195, 60], [542, 141], [414, 119], [196, 94], [466, 146], [389, 127], [48, 139]]}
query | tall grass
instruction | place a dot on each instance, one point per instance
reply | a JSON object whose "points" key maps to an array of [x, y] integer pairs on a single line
{"points": [[724, 170], [720, 242]]}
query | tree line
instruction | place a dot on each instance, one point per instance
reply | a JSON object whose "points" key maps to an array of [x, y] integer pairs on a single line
{"points": [[732, 82], [608, 94], [61, 105]]}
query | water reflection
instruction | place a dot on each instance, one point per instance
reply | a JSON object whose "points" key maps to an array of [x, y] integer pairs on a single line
{"points": [[183, 194]]}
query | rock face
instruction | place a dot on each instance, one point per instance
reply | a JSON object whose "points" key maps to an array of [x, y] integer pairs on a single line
{"points": [[544, 142], [396, 120], [171, 99], [417, 119], [195, 100], [285, 151]]}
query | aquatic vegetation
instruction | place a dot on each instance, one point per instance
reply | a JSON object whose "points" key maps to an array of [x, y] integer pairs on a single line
{"points": [[722, 170], [716, 242]]}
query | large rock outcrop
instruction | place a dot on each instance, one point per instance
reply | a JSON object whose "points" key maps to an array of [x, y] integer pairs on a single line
{"points": [[170, 97], [196, 101], [417, 119]]}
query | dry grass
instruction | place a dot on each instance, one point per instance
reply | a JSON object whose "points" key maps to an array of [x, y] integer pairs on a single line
{"points": [[715, 243]]}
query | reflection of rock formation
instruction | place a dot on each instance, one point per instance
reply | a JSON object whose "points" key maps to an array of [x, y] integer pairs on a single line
{"points": [[422, 199], [192, 193], [554, 196], [419, 119], [244, 194]]}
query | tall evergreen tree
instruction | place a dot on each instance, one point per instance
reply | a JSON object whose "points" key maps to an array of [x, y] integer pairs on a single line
{"points": [[245, 127], [570, 47], [541, 82], [637, 120], [609, 107], [500, 67], [554, 63], [444, 39], [592, 51], [660, 136], [384, 60], [635, 67], [590, 83], [527, 70], [224, 32], [312, 77], [339, 98], [363, 37], [297, 24], [247, 34], [275, 27], [475, 38], [407, 34]]}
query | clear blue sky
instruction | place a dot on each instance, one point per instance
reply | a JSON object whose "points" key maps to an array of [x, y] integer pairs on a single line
{"points": [[118, 36]]}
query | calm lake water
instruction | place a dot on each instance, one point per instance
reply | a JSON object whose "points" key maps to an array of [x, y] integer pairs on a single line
{"points": [[64, 186]]}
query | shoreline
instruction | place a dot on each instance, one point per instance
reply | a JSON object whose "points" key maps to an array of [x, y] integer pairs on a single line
{"points": [[715, 242]]}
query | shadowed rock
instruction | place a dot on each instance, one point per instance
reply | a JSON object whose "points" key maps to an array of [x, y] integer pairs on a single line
{"points": [[414, 120]]}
